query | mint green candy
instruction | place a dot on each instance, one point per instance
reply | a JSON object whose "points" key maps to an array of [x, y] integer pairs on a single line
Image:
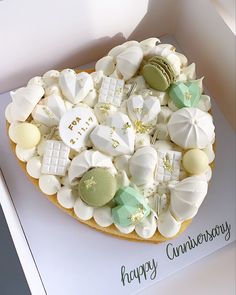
{"points": [[132, 207], [185, 94]]}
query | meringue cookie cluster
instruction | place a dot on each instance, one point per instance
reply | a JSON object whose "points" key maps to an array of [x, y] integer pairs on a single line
{"points": [[155, 146]]}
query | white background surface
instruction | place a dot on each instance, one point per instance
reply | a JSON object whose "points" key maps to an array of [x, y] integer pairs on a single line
{"points": [[59, 243]]}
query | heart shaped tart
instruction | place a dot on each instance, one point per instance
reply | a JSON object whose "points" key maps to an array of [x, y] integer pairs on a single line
{"points": [[126, 149]]}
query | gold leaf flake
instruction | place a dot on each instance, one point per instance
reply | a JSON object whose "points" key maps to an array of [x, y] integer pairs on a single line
{"points": [[105, 108], [90, 182], [188, 95], [126, 126], [115, 143], [137, 216], [141, 128], [167, 164]]}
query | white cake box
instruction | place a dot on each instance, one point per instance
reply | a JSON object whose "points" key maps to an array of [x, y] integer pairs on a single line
{"points": [[46, 35]]}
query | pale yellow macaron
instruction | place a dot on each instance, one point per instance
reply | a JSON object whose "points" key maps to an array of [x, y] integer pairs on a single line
{"points": [[195, 161], [27, 135]]}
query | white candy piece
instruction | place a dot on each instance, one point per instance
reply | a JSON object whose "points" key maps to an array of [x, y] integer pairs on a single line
{"points": [[187, 196], [66, 197], [163, 97], [164, 145], [116, 74], [190, 72], [167, 225], [42, 114], [147, 228], [33, 167], [103, 216], [191, 128], [105, 64], [183, 59], [122, 163], [8, 115], [207, 175], [168, 166], [141, 140], [115, 139], [25, 154], [204, 103], [131, 43], [52, 90], [24, 100], [56, 104], [41, 146], [122, 179], [164, 115], [148, 189], [76, 125], [36, 81], [166, 50], [172, 106], [75, 87], [148, 44], [91, 99], [42, 128], [129, 61], [111, 91], [210, 153], [49, 184], [103, 111], [55, 158], [125, 230], [161, 132], [142, 165], [162, 203], [115, 51], [86, 160], [142, 110], [51, 78], [82, 210], [97, 77]]}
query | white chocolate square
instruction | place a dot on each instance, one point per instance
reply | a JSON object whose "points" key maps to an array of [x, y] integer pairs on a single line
{"points": [[55, 158], [111, 91], [168, 166]]}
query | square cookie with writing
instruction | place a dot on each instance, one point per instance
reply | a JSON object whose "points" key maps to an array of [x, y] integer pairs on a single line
{"points": [[168, 166], [55, 158], [111, 91]]}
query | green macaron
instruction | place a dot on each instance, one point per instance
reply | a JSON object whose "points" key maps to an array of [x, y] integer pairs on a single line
{"points": [[97, 187], [158, 73]]}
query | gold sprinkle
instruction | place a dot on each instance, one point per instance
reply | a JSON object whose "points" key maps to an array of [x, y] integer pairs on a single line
{"points": [[113, 129], [105, 108], [167, 164], [115, 143], [140, 127], [126, 126], [137, 216], [188, 95], [90, 182], [138, 110], [118, 91], [47, 112]]}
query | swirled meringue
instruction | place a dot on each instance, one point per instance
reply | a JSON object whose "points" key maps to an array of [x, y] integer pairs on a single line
{"points": [[86, 160], [191, 128]]}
